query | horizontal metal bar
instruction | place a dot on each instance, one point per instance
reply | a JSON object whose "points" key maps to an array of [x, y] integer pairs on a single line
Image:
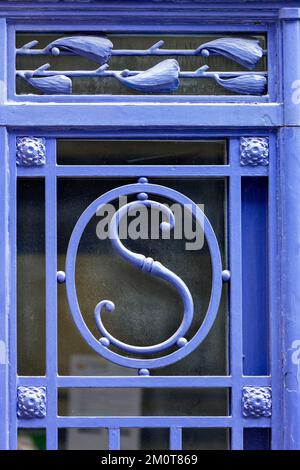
{"points": [[134, 422], [140, 114], [152, 51], [168, 171], [127, 12], [145, 382]]}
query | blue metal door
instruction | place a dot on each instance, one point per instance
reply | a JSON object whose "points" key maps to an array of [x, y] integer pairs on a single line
{"points": [[250, 200]]}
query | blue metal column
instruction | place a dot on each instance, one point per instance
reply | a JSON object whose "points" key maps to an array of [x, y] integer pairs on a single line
{"points": [[290, 187], [4, 247]]}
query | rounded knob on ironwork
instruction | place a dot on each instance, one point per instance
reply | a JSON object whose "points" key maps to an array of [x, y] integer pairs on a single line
{"points": [[105, 342], [205, 53], [225, 275], [143, 180], [144, 372], [181, 342], [61, 277], [55, 51]]}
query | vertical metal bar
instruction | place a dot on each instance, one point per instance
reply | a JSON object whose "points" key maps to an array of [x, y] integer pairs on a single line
{"points": [[175, 438], [290, 192], [3, 62], [12, 312], [290, 187], [290, 25], [235, 265], [51, 293], [114, 438], [4, 290], [10, 85]]}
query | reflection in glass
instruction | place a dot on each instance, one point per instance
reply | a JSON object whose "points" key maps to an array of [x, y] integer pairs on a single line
{"points": [[141, 152], [205, 439], [142, 402], [31, 276], [82, 439]]}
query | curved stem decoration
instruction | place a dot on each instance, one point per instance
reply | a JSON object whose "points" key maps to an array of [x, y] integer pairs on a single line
{"points": [[153, 268]]}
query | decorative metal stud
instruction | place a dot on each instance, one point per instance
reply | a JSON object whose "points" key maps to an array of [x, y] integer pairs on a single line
{"points": [[31, 402], [257, 402], [31, 151], [254, 151]]}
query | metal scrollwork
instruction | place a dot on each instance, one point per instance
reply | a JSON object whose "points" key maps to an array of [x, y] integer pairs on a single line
{"points": [[153, 268], [184, 346]]}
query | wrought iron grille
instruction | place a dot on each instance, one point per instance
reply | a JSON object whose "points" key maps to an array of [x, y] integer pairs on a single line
{"points": [[251, 387]]}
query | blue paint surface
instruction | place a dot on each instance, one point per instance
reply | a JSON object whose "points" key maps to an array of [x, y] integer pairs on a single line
{"points": [[252, 270]]}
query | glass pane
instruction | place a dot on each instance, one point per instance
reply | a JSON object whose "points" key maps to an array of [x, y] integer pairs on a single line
{"points": [[142, 402], [257, 439], [97, 85], [141, 152], [31, 276], [255, 276], [147, 311]]}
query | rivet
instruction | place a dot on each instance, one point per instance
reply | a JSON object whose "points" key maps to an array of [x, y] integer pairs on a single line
{"points": [[105, 342], [142, 196], [143, 180], [55, 51], [225, 275], [181, 342], [144, 372], [205, 53], [61, 277]]}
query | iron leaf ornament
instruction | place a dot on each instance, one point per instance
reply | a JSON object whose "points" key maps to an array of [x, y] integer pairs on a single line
{"points": [[98, 49], [162, 78], [246, 52]]}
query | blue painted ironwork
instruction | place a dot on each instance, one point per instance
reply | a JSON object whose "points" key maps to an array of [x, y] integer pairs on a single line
{"points": [[30, 151], [70, 120], [246, 52], [244, 84], [162, 78], [257, 402], [254, 151], [95, 48], [154, 268], [58, 84], [289, 145], [31, 402]]}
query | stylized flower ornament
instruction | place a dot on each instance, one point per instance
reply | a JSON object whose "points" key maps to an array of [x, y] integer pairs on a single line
{"points": [[31, 151], [31, 402], [257, 402], [254, 151]]}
